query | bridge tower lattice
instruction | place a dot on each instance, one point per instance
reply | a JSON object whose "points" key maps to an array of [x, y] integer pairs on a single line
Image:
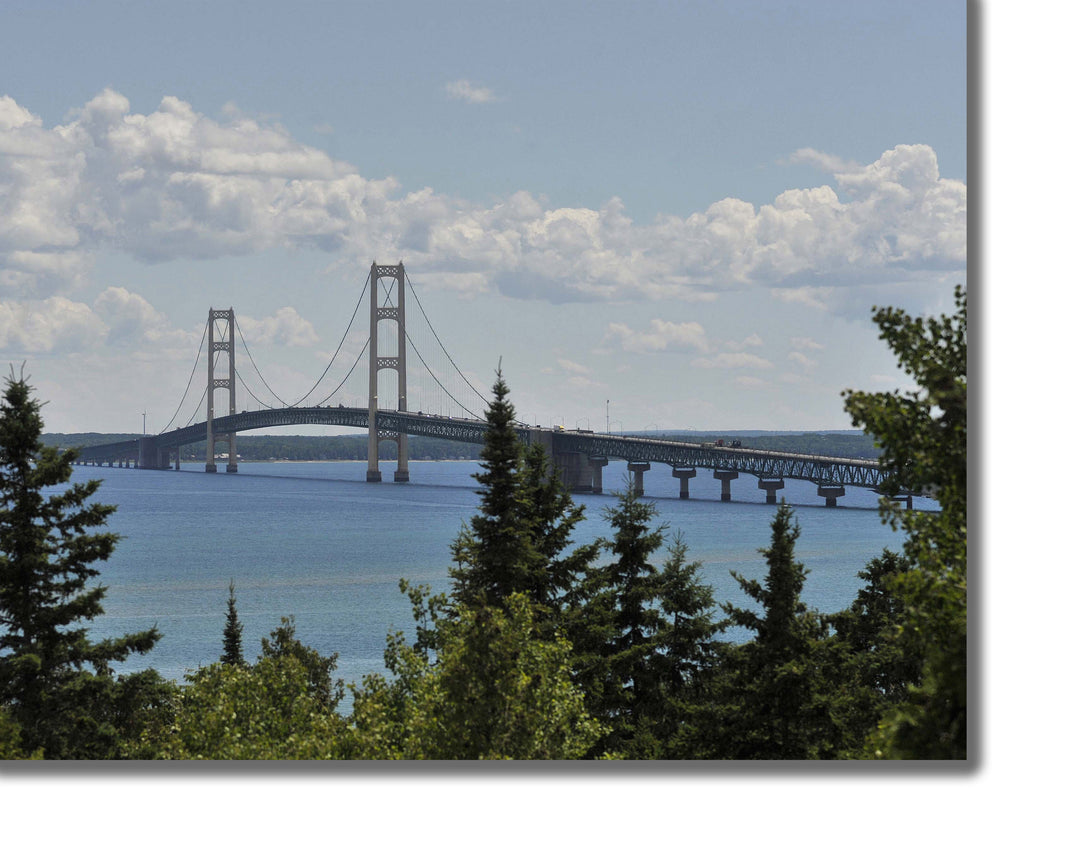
{"points": [[214, 345], [381, 309]]}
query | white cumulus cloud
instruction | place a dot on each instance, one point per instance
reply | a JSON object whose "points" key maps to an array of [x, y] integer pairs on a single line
{"points": [[285, 327], [175, 183], [53, 325]]}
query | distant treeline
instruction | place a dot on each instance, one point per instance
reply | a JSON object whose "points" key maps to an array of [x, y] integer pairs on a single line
{"points": [[280, 447], [856, 446], [271, 447]]}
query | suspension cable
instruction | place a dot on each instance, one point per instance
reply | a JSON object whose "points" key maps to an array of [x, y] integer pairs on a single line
{"points": [[342, 342], [437, 339], [433, 377], [198, 356], [259, 400], [344, 335], [356, 362]]}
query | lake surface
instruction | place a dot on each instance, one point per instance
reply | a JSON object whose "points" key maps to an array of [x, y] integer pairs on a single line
{"points": [[315, 541]]}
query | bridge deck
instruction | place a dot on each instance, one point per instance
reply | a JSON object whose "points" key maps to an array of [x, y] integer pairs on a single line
{"points": [[765, 465]]}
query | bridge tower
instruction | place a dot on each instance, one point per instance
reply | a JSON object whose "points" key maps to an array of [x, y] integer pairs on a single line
{"points": [[382, 308], [214, 345]]}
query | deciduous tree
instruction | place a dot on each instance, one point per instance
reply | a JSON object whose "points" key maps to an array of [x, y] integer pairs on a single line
{"points": [[497, 689]]}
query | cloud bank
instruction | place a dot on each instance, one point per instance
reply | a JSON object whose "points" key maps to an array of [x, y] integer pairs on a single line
{"points": [[176, 183]]}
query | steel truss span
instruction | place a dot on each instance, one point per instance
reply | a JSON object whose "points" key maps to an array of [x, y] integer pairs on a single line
{"points": [[153, 451]]}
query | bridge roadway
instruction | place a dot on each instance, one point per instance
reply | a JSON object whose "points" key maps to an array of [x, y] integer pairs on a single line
{"points": [[580, 456]]}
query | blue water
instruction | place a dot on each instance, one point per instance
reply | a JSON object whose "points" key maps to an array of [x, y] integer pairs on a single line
{"points": [[313, 540]]}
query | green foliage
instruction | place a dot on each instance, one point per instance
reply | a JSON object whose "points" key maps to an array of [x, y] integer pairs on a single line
{"points": [[516, 541], [870, 671], [496, 690], [10, 740], [642, 637], [689, 651], [321, 685], [281, 707], [260, 712], [772, 699], [233, 646], [923, 435], [551, 516], [55, 683], [494, 557]]}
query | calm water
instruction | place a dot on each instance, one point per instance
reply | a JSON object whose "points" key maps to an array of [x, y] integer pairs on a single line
{"points": [[314, 541]]}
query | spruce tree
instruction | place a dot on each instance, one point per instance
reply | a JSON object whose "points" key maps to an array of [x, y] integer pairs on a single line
{"points": [[234, 650], [614, 625], [55, 683], [689, 648], [517, 541], [552, 516], [495, 557], [771, 699]]}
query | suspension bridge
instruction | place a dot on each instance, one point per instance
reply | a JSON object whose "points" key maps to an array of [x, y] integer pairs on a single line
{"points": [[578, 456]]}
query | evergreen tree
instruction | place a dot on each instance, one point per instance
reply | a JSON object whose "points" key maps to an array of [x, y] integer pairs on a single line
{"points": [[689, 649], [56, 684], [234, 650], [552, 516], [869, 669], [923, 437], [495, 556], [517, 541], [770, 693], [615, 625]]}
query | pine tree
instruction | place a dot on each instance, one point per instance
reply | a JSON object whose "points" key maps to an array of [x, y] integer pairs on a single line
{"points": [[56, 683], [234, 650]]}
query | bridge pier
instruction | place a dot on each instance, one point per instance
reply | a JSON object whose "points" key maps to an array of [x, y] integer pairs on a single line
{"points": [[684, 476], [725, 476], [597, 464], [638, 470], [770, 487], [830, 492], [401, 473]]}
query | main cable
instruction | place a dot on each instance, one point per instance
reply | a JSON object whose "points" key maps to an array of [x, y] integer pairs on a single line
{"points": [[198, 356], [423, 312], [433, 377]]}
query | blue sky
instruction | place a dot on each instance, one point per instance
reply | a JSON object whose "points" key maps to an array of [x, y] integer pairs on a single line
{"points": [[686, 210]]}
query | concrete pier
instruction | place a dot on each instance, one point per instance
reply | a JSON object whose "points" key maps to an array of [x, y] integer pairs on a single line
{"points": [[597, 464], [684, 476], [725, 476], [638, 470], [770, 487], [830, 492]]}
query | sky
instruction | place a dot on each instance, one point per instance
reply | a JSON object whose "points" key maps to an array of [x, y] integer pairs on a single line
{"points": [[653, 215]]}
